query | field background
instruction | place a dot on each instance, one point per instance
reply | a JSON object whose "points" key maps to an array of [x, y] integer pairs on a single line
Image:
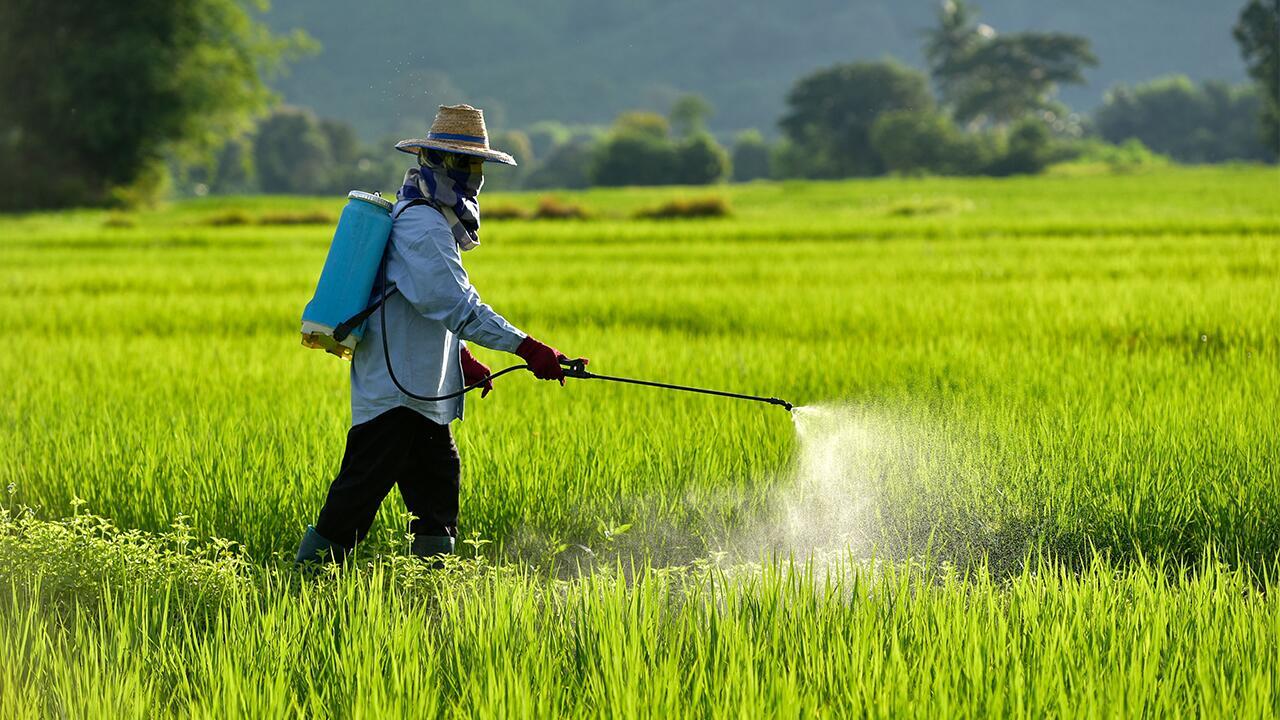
{"points": [[1050, 405]]}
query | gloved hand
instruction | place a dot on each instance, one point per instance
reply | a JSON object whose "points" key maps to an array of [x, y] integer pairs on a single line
{"points": [[543, 360], [473, 371]]}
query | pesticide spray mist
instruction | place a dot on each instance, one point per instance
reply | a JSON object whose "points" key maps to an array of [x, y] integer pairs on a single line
{"points": [[830, 507]]}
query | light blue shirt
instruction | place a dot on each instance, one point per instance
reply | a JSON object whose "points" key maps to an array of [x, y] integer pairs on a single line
{"points": [[435, 310]]}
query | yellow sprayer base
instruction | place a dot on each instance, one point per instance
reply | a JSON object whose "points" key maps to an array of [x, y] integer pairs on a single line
{"points": [[322, 339]]}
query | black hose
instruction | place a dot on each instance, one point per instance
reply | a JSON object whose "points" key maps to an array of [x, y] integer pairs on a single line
{"points": [[386, 353], [572, 368]]}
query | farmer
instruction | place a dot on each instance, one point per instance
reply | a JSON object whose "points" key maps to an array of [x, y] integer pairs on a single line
{"points": [[395, 439]]}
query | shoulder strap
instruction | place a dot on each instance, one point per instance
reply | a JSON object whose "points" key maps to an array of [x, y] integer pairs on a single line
{"points": [[411, 203]]}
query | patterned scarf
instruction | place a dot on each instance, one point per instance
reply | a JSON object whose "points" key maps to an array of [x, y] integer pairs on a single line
{"points": [[448, 189]]}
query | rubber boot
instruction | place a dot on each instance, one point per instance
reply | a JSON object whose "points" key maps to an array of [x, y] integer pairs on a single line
{"points": [[317, 548], [432, 548]]}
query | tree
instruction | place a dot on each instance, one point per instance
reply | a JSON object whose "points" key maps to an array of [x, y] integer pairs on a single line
{"points": [[750, 156], [518, 145], [567, 166], [699, 160], [1000, 78], [689, 115], [830, 114], [1258, 32], [97, 92], [912, 142], [292, 153], [632, 158], [640, 122], [547, 135], [1030, 149], [1211, 122], [344, 144], [956, 36]]}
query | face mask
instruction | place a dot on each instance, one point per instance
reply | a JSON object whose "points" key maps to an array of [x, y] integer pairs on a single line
{"points": [[467, 170], [467, 163]]}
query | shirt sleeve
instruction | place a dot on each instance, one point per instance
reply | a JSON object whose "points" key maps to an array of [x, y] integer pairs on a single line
{"points": [[426, 266]]}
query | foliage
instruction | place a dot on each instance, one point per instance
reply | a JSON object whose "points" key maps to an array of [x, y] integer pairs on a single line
{"points": [[292, 153], [689, 114], [499, 177], [567, 166], [605, 58], [750, 156], [1029, 149], [1258, 33], [910, 142], [830, 114], [699, 160], [98, 93], [1000, 78], [545, 136], [1206, 123], [633, 158], [956, 36], [917, 143], [642, 124], [713, 206], [639, 151]]}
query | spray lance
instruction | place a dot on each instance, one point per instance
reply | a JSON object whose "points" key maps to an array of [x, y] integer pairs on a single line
{"points": [[577, 369], [334, 319]]}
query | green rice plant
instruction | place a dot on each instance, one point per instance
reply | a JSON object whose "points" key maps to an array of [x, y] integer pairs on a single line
{"points": [[1051, 489]]}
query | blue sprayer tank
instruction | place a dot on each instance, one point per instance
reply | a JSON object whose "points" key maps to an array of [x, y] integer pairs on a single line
{"points": [[349, 273]]}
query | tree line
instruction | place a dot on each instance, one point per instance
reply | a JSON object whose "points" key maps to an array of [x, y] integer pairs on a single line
{"points": [[181, 99]]}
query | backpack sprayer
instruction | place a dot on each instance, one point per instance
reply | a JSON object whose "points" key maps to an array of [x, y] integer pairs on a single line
{"points": [[334, 320]]}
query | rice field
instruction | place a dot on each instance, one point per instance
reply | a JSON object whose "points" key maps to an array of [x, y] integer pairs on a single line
{"points": [[1034, 472]]}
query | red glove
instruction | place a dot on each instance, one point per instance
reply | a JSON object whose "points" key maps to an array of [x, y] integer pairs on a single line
{"points": [[473, 371], [543, 360]]}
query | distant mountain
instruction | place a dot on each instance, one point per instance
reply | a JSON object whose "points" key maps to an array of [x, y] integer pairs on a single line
{"points": [[386, 64]]}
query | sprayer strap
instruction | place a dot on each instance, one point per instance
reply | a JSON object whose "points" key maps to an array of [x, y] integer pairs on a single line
{"points": [[411, 203], [345, 327]]}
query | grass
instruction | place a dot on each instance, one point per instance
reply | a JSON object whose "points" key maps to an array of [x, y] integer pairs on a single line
{"points": [[1072, 496]]}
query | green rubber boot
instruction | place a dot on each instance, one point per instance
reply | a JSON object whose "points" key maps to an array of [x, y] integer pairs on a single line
{"points": [[432, 548], [316, 548]]}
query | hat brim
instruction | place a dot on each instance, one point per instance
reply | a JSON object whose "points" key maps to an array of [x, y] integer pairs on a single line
{"points": [[411, 146]]}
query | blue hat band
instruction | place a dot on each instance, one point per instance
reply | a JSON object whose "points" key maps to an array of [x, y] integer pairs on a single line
{"points": [[461, 138]]}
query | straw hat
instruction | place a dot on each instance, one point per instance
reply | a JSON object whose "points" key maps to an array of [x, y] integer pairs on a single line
{"points": [[459, 129]]}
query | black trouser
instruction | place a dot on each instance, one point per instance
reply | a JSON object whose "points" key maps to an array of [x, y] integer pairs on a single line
{"points": [[399, 447]]}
